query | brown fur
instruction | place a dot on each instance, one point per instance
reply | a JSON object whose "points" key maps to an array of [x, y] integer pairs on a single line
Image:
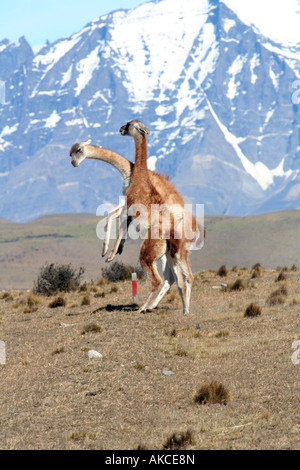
{"points": [[142, 191], [146, 188]]}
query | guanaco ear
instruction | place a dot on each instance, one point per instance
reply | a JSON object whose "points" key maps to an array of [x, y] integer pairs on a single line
{"points": [[86, 142], [142, 130]]}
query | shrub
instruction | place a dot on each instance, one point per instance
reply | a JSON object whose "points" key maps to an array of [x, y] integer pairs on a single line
{"points": [[119, 271], [179, 440], [57, 277], [212, 393], [252, 311]]}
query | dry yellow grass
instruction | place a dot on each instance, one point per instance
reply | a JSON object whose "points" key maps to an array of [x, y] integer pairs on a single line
{"points": [[54, 397]]}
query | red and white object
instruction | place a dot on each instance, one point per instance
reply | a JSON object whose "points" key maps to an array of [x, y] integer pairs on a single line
{"points": [[134, 288]]}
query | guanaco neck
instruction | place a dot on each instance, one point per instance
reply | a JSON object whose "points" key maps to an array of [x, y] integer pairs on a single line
{"points": [[140, 163], [123, 165]]}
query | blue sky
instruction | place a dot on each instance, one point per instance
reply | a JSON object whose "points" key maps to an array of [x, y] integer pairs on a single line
{"points": [[40, 21]]}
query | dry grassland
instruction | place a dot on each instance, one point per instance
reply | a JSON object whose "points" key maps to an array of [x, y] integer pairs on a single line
{"points": [[53, 396]]}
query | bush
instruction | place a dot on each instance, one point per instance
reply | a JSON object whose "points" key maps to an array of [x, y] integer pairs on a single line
{"points": [[57, 277], [118, 271]]}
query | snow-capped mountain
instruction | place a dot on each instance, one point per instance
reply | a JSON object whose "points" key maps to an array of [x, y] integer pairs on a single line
{"points": [[220, 97]]}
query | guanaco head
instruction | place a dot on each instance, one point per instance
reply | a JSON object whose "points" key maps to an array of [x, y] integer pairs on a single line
{"points": [[78, 152], [134, 129]]}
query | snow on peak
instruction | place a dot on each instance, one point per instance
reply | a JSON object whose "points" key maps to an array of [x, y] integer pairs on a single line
{"points": [[52, 120], [142, 36], [86, 67], [259, 171], [277, 20], [54, 54], [234, 70]]}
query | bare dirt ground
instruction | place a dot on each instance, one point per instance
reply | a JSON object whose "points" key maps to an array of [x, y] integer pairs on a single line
{"points": [[53, 396]]}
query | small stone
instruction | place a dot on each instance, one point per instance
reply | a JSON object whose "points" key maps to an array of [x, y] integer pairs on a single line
{"points": [[199, 326], [94, 354], [167, 372]]}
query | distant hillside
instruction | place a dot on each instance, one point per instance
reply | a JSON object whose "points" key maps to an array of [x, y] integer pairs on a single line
{"points": [[270, 239]]}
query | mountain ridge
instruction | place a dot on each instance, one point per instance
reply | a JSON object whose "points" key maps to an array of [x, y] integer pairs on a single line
{"points": [[222, 119]]}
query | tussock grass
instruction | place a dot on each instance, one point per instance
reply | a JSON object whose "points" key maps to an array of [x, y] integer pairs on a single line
{"points": [[222, 271], [83, 287], [238, 285], [58, 302], [30, 309], [278, 296], [256, 266], [33, 300], [100, 294], [57, 351], [281, 277], [252, 310], [179, 441], [78, 436], [181, 352], [256, 271], [7, 296], [91, 328], [222, 334], [212, 393], [86, 300]]}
